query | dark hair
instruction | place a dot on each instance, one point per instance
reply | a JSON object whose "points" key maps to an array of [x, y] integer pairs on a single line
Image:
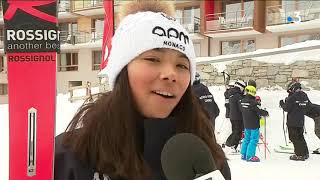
{"points": [[104, 134]]}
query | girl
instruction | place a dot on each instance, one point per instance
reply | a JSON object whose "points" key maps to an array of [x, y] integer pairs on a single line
{"points": [[120, 135]]}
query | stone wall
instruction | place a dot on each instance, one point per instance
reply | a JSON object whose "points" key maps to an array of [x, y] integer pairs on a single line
{"points": [[265, 74]]}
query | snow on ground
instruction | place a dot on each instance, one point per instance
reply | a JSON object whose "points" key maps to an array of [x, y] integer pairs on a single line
{"points": [[276, 166]]}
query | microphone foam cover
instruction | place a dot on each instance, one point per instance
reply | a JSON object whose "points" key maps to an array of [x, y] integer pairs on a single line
{"points": [[185, 156]]}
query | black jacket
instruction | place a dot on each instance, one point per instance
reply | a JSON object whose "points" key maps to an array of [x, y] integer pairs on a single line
{"points": [[155, 133], [313, 110], [206, 100], [296, 106], [251, 112], [226, 103], [234, 102]]}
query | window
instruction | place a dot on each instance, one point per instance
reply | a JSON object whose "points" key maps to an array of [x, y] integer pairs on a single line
{"points": [[301, 10], [238, 11], [197, 49], [3, 89], [68, 32], [189, 17], [96, 59], [1, 63], [97, 26], [68, 62], [230, 47], [249, 46], [287, 40], [237, 46], [1, 38], [75, 83]]}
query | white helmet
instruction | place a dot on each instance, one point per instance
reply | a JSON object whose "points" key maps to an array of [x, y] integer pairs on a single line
{"points": [[231, 83], [240, 84]]}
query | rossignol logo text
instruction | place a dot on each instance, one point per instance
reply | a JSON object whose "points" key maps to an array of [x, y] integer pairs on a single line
{"points": [[32, 35], [32, 40], [31, 58]]}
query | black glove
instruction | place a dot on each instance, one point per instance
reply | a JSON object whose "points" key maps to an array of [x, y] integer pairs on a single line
{"points": [[281, 103]]}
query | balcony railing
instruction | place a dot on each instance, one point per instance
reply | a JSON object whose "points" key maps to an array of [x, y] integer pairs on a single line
{"points": [[284, 14], [96, 35], [68, 37], [191, 25], [67, 68], [86, 4], [229, 20]]}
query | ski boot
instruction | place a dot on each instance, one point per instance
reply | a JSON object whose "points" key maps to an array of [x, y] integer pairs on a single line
{"points": [[253, 159], [297, 158], [243, 157]]}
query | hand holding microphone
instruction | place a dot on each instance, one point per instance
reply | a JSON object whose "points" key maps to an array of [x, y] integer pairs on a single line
{"points": [[186, 157]]}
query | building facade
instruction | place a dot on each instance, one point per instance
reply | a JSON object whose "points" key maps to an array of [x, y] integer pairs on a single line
{"points": [[217, 28]]}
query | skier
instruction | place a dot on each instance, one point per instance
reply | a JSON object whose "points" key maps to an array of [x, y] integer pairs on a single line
{"points": [[206, 98], [317, 129], [314, 112], [251, 113], [296, 106], [236, 94], [121, 134], [226, 97]]}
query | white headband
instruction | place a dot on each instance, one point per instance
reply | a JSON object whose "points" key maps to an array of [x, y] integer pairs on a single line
{"points": [[145, 31]]}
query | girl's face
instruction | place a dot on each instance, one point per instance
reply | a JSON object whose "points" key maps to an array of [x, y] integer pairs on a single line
{"points": [[158, 79]]}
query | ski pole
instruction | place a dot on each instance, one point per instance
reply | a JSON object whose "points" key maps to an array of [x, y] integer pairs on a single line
{"points": [[284, 128], [220, 127], [224, 79], [265, 137]]}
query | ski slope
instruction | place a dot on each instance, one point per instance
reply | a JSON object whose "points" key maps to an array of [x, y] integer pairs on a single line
{"points": [[276, 166]]}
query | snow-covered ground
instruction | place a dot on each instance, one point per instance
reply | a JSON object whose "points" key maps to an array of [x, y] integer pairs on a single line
{"points": [[276, 166]]}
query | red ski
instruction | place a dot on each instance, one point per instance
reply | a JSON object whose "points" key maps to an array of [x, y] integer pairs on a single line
{"points": [[31, 45]]}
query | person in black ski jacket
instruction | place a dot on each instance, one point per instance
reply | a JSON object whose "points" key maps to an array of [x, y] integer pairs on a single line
{"points": [[226, 98], [313, 111], [121, 133], [251, 114], [236, 94], [206, 98], [296, 106]]}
